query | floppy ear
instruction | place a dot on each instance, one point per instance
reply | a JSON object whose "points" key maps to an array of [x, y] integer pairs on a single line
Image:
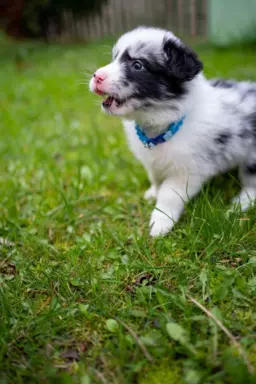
{"points": [[183, 63]]}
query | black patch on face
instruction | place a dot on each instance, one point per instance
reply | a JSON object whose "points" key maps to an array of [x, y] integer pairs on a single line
{"points": [[223, 138], [222, 83], [156, 80], [251, 169]]}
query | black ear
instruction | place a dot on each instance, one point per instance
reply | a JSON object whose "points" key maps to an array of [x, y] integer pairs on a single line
{"points": [[181, 60]]}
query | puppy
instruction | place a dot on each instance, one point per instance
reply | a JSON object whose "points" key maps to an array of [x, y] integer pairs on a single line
{"points": [[183, 128]]}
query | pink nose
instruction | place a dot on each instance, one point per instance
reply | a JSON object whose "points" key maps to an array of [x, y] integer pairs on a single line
{"points": [[99, 76]]}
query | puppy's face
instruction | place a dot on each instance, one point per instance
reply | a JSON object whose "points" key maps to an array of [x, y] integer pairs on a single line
{"points": [[150, 69]]}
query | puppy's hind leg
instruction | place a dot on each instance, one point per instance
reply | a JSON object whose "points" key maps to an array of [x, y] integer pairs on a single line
{"points": [[247, 197]]}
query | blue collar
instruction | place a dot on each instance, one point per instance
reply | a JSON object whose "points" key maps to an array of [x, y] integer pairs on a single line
{"points": [[150, 142]]}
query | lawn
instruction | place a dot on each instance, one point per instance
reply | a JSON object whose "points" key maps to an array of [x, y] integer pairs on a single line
{"points": [[86, 295]]}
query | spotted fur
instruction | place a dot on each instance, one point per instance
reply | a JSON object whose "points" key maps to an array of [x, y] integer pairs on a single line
{"points": [[155, 80]]}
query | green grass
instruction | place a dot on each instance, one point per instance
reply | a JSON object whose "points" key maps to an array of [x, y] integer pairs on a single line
{"points": [[82, 284]]}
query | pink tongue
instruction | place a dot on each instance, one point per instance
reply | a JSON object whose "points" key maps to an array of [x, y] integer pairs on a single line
{"points": [[109, 100]]}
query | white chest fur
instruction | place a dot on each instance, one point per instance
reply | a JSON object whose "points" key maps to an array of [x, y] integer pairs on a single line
{"points": [[170, 158]]}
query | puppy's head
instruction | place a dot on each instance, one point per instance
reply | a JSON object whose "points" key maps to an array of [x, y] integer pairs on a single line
{"points": [[151, 68]]}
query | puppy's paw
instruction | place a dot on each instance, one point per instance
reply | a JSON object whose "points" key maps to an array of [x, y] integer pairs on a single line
{"points": [[244, 201], [160, 224], [151, 193]]}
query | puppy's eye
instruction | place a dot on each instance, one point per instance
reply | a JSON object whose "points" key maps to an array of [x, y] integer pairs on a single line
{"points": [[137, 65]]}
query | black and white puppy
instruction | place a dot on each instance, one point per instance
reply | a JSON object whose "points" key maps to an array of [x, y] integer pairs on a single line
{"points": [[193, 129]]}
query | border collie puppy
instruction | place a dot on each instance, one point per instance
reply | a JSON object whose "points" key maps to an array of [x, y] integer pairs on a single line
{"points": [[183, 128]]}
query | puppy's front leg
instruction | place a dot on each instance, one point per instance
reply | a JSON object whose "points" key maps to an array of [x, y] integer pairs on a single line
{"points": [[171, 198], [151, 193]]}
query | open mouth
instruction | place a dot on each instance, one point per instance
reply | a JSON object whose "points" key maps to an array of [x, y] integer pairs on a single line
{"points": [[108, 102]]}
